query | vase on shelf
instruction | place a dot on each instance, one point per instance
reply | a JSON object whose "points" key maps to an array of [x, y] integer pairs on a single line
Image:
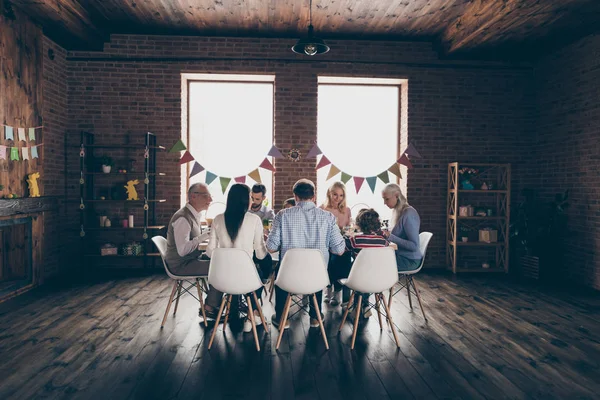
{"points": [[106, 169], [467, 185]]}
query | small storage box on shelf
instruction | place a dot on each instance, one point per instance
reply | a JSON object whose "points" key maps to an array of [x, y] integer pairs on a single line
{"points": [[478, 215]]}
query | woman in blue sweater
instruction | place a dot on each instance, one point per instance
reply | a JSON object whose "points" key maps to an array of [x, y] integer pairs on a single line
{"points": [[405, 232]]}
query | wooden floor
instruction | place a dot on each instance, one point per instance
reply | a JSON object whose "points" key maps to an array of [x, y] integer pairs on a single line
{"points": [[486, 338]]}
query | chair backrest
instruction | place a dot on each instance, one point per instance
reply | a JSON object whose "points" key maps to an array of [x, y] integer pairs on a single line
{"points": [[232, 271], [161, 244], [424, 238], [374, 270], [302, 271]]}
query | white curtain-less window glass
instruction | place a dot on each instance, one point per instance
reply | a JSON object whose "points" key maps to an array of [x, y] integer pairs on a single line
{"points": [[230, 133], [358, 132]]}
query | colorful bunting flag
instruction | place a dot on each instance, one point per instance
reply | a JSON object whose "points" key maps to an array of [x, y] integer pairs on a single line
{"points": [[385, 178], [372, 181], [395, 169], [266, 164], [255, 175], [345, 177], [274, 152], [8, 133], [2, 152], [333, 171], [25, 151], [358, 183], [179, 146], [34, 152], [210, 177], [224, 183], [324, 161], [196, 169], [315, 151], [32, 134], [187, 157], [411, 151], [14, 153], [21, 134], [240, 179], [405, 161]]}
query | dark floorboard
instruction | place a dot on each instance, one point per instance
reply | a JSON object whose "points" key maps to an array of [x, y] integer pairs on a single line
{"points": [[486, 337]]}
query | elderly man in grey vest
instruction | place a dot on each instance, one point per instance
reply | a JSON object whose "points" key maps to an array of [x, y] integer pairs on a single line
{"points": [[184, 236]]}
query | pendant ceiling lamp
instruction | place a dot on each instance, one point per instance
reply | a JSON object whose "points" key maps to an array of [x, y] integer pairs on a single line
{"points": [[310, 45]]}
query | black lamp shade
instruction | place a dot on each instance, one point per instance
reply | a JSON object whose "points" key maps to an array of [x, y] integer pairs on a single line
{"points": [[311, 45]]}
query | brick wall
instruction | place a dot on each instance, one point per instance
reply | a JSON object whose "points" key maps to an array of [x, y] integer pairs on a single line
{"points": [[55, 116], [568, 132], [472, 112]]}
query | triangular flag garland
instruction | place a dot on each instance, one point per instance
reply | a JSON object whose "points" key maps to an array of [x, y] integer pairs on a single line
{"points": [[240, 179], [2, 152], [266, 164], [224, 183], [32, 134], [405, 161], [25, 151], [8, 133], [345, 177], [324, 161], [274, 152], [411, 151], [372, 181], [385, 178], [34, 152], [21, 134], [14, 153], [187, 157], [210, 177], [179, 146], [333, 171], [358, 181], [395, 169], [315, 151], [255, 175], [196, 169]]}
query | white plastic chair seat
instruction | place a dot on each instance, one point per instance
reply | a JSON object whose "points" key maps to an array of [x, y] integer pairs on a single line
{"points": [[373, 271], [232, 271], [302, 271], [161, 244]]}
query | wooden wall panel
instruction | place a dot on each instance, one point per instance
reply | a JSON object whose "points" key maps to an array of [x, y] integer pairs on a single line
{"points": [[21, 93]]}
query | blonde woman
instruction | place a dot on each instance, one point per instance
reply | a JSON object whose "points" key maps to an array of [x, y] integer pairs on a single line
{"points": [[339, 266], [405, 224]]}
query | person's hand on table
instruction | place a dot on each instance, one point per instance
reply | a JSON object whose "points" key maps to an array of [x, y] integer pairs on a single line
{"points": [[385, 233]]}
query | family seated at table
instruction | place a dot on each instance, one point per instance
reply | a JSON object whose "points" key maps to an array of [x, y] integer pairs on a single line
{"points": [[300, 224]]}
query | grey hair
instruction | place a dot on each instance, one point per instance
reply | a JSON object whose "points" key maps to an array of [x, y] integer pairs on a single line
{"points": [[195, 186], [402, 204]]}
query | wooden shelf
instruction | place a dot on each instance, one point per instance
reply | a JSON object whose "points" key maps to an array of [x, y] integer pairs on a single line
{"points": [[135, 202], [111, 174], [118, 228], [475, 218], [477, 191], [117, 146], [474, 244], [122, 256], [479, 269]]}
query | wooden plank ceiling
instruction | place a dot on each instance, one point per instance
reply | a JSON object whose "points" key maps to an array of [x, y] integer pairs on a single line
{"points": [[512, 28]]}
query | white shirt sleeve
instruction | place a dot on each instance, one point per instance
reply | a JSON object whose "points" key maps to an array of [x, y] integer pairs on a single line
{"points": [[259, 241], [181, 231]]}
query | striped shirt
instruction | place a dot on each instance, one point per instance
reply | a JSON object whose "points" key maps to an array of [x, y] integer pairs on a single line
{"points": [[305, 227], [357, 242]]}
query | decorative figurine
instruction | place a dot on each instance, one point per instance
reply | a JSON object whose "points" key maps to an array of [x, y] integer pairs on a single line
{"points": [[34, 190], [131, 192], [467, 185]]}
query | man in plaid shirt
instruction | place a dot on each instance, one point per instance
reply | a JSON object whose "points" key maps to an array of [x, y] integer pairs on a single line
{"points": [[304, 226]]}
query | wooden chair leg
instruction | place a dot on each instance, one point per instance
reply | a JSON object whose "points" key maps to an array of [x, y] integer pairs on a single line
{"points": [[389, 316], [378, 311], [262, 316], [272, 287], [178, 296], [418, 297], [408, 291], [390, 298], [214, 332], [169, 304], [358, 311], [316, 304], [201, 302], [350, 302], [251, 318], [283, 319], [228, 309]]}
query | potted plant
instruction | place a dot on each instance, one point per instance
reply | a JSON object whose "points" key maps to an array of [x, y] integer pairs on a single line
{"points": [[537, 232], [107, 163]]}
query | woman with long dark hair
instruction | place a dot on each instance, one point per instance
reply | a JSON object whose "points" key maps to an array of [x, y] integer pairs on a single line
{"points": [[237, 228]]}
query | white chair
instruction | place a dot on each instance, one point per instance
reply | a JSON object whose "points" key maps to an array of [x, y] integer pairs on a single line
{"points": [[373, 271], [424, 238], [192, 280], [302, 272], [233, 272]]}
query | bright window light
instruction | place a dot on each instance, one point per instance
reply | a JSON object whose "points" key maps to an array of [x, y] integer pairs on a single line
{"points": [[230, 132], [358, 132]]}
